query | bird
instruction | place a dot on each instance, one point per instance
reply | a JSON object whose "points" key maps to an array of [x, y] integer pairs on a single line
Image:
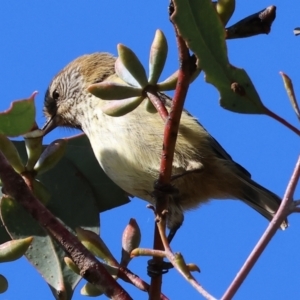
{"points": [[129, 147]]}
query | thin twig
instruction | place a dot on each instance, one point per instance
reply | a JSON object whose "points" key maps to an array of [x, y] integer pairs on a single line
{"points": [[189, 277], [155, 100], [281, 120], [90, 268], [280, 215]]}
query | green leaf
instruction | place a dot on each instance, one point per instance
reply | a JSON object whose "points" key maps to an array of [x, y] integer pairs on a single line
{"points": [[19, 118], [15, 249], [150, 108], [169, 84], [73, 207], [200, 26], [41, 192], [158, 56], [113, 91], [33, 141], [128, 62], [120, 108], [10, 152], [50, 156], [225, 9]]}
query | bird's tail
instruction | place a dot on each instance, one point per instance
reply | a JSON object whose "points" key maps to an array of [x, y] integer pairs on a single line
{"points": [[262, 200]]}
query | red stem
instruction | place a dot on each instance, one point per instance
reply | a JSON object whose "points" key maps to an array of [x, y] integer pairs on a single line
{"points": [[155, 99], [169, 142]]}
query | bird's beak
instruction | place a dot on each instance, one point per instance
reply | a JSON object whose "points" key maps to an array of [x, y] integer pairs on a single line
{"points": [[50, 125]]}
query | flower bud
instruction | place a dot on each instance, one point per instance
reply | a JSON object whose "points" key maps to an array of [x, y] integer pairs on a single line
{"points": [[130, 240], [90, 290], [41, 192], [69, 262], [11, 153], [95, 245], [34, 147], [14, 249]]}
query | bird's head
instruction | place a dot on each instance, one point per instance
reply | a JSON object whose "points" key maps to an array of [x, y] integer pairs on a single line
{"points": [[67, 95]]}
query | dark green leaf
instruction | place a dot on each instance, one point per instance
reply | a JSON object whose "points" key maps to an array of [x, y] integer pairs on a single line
{"points": [[44, 254]]}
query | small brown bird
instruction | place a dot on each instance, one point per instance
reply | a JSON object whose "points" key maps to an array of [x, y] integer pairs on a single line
{"points": [[128, 148]]}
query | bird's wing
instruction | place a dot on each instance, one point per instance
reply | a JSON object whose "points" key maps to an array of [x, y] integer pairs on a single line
{"points": [[219, 150]]}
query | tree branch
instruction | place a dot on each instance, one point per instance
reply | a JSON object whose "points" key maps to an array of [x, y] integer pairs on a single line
{"points": [[90, 268]]}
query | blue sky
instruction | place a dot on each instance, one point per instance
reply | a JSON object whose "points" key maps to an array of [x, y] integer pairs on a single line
{"points": [[38, 38]]}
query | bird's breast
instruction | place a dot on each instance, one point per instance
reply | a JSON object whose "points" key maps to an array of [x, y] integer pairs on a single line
{"points": [[129, 150]]}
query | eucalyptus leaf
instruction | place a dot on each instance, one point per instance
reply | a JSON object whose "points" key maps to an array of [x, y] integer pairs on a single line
{"points": [[113, 91], [43, 253], [130, 63], [200, 26], [19, 118], [11, 153], [118, 108], [158, 56]]}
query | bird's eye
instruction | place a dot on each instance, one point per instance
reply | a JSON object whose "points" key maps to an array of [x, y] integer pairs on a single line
{"points": [[55, 95]]}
